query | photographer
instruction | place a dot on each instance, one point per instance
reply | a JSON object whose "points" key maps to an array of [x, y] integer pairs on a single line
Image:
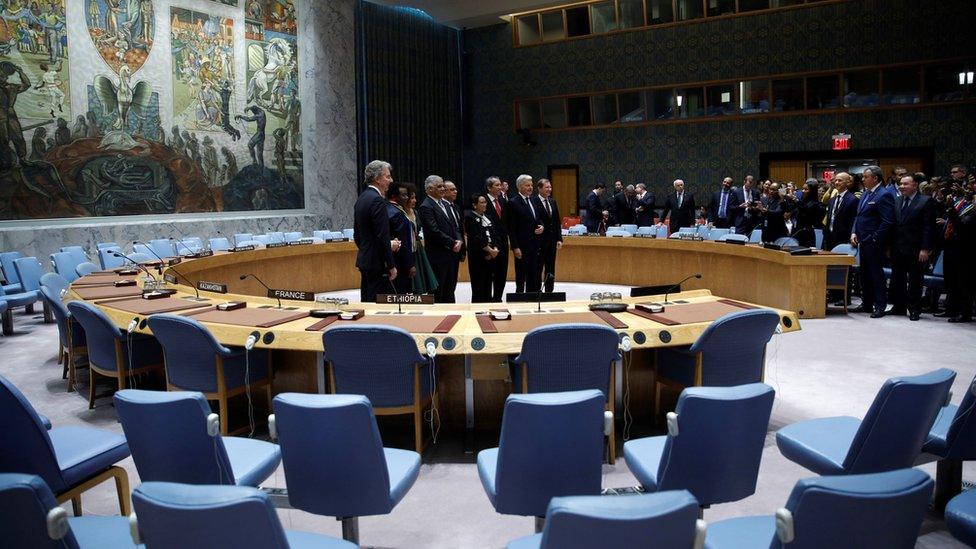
{"points": [[958, 224]]}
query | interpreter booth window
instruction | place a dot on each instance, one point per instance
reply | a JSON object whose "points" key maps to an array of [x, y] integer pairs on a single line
{"points": [[632, 107], [754, 96], [690, 102], [661, 104], [786, 3], [554, 113], [861, 89], [951, 82], [690, 9], [604, 17], [605, 109], [901, 86], [578, 110], [788, 95], [720, 7], [753, 5], [552, 26], [528, 29], [721, 99], [578, 21], [631, 13], [823, 92], [659, 12], [530, 117]]}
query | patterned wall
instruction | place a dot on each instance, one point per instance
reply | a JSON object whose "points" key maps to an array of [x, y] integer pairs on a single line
{"points": [[855, 33]]}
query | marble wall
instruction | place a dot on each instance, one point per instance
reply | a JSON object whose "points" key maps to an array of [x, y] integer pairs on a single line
{"points": [[327, 86]]}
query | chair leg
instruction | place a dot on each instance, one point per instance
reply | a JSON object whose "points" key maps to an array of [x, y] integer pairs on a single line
{"points": [[540, 524], [122, 488], [60, 354], [91, 388], [612, 442], [418, 428], [222, 407], [48, 315], [8, 322], [657, 401], [350, 529], [76, 505], [948, 482], [29, 309]]}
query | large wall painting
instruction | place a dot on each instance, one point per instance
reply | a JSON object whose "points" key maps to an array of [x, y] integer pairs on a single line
{"points": [[123, 31]]}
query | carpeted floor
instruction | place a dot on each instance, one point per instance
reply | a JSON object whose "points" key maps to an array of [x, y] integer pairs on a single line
{"points": [[832, 366]]}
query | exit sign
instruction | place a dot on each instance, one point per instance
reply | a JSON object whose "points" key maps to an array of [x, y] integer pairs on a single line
{"points": [[842, 142]]}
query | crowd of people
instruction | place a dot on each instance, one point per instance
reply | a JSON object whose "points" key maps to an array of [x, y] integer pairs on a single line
{"points": [[903, 222]]}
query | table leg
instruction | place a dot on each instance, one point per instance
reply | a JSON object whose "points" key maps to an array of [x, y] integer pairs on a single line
{"points": [[468, 407], [320, 372]]}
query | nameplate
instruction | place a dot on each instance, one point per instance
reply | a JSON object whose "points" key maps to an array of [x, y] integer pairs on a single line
{"points": [[215, 287], [169, 278], [174, 261], [405, 299], [203, 253], [247, 248], [301, 242], [276, 245], [338, 240], [296, 295]]}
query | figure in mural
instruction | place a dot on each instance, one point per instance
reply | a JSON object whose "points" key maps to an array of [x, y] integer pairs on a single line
{"points": [[203, 61], [280, 147], [256, 145], [229, 169], [211, 166], [176, 142], [262, 83], [128, 34], [51, 85], [94, 16], [80, 129], [39, 144], [62, 135], [93, 129], [147, 19], [225, 93], [11, 133], [293, 121]]}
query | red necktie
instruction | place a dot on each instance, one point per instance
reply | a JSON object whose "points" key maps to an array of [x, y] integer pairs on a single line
{"points": [[498, 208]]}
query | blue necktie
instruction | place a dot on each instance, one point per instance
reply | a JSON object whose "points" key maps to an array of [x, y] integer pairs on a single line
{"points": [[721, 207]]}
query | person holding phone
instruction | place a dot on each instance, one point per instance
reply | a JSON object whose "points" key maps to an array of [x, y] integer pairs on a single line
{"points": [[774, 213]]}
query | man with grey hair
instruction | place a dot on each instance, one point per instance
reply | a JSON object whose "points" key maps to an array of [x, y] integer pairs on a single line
{"points": [[679, 207], [442, 238], [872, 228], [372, 233], [525, 229]]}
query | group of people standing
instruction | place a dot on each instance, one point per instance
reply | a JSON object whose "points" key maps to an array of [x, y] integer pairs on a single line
{"points": [[409, 249]]}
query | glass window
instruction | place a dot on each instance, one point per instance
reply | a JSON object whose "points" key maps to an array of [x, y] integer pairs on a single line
{"points": [[529, 115], [528, 29], [632, 107], [860, 89], [661, 104], [690, 9], [552, 26], [690, 102], [788, 95], [659, 11], [631, 13], [753, 5], [578, 109], [721, 99], [754, 96], [947, 82], [578, 21], [823, 92], [605, 109], [901, 86], [785, 3], [720, 7], [554, 113], [604, 17]]}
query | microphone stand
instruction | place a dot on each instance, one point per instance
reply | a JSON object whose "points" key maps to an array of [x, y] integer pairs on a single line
{"points": [[678, 285], [548, 277], [178, 243], [137, 265], [399, 305], [261, 282]]}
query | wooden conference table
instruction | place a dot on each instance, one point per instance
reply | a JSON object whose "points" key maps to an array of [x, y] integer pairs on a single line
{"points": [[470, 346]]}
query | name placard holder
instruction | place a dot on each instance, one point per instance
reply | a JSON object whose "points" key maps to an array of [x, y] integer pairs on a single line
{"points": [[404, 299], [295, 295], [215, 287], [276, 245], [247, 248]]}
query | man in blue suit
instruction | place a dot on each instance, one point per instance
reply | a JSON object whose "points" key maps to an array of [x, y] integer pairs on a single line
{"points": [[875, 218], [594, 210], [372, 233], [722, 206]]}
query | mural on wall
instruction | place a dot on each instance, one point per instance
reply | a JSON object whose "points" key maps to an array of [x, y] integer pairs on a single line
{"points": [[227, 2], [140, 144]]}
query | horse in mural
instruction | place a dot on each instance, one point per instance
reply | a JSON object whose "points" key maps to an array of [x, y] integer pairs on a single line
{"points": [[277, 56]]}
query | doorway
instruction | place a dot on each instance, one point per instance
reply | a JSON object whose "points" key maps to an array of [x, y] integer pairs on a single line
{"points": [[565, 187]]}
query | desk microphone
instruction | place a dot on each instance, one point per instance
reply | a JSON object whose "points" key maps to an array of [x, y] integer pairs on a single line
{"points": [[181, 275], [261, 282], [179, 242], [549, 276], [678, 287], [399, 305], [162, 262], [134, 262]]}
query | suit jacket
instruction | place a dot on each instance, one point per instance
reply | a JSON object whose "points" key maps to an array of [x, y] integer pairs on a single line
{"points": [[499, 225], [522, 221], [553, 227], [478, 236], [439, 232], [645, 217], [683, 216], [915, 227], [715, 205], [460, 227], [843, 220], [623, 209], [594, 212], [875, 216], [744, 218], [400, 227], [372, 232], [774, 224]]}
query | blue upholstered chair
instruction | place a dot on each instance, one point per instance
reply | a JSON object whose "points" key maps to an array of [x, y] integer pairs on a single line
{"points": [[86, 268], [717, 234], [294, 236], [141, 249], [252, 242], [12, 284], [872, 511], [630, 228], [139, 257], [731, 351], [618, 232], [108, 260], [569, 357], [889, 437], [163, 247], [263, 239], [551, 445], [188, 245], [348, 233], [393, 375], [960, 517], [731, 237], [276, 236], [175, 516], [670, 519], [65, 265], [70, 459], [713, 446], [170, 439], [73, 346], [755, 236], [101, 245], [30, 271], [112, 352], [647, 231], [662, 231], [951, 440], [838, 276], [219, 244], [195, 361], [12, 300], [818, 236], [241, 237], [786, 241], [77, 252], [55, 282], [362, 477], [30, 517]]}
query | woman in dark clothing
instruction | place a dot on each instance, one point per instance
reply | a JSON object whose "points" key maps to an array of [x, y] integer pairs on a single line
{"points": [[809, 214], [482, 248]]}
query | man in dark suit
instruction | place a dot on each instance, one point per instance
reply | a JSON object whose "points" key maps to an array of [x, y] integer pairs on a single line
{"points": [[552, 234], [450, 198], [841, 211], [679, 207], [911, 246], [624, 204], [402, 233], [875, 216], [497, 212], [606, 200], [595, 214], [644, 209], [746, 216], [525, 230], [722, 206], [442, 239], [374, 259]]}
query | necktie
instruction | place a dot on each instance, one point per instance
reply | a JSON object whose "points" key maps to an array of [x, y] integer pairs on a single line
{"points": [[545, 203], [529, 204], [498, 208], [904, 205], [721, 206], [833, 211], [679, 199]]}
